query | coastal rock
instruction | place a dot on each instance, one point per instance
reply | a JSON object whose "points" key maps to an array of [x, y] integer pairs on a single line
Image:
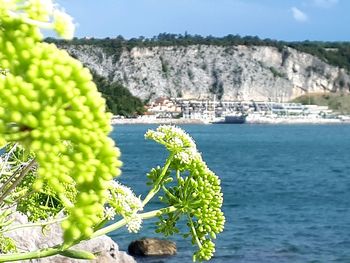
{"points": [[29, 239], [240, 72], [152, 247]]}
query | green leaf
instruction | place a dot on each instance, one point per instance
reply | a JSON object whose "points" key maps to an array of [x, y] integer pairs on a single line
{"points": [[78, 254]]}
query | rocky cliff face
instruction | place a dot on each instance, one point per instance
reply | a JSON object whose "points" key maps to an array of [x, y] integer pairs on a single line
{"points": [[234, 72]]}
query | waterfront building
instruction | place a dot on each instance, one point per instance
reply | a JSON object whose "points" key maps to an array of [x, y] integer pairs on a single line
{"points": [[254, 111]]}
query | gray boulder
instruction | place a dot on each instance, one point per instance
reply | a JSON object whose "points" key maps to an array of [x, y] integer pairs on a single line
{"points": [[30, 239], [152, 247]]}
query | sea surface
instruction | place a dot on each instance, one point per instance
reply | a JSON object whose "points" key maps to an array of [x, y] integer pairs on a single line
{"points": [[286, 190]]}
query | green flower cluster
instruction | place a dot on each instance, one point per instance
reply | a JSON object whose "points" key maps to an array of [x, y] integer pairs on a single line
{"points": [[6, 244], [16, 188], [125, 203], [50, 105], [195, 192], [173, 138]]}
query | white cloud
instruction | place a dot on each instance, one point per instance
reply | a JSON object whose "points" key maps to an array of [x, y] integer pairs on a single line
{"points": [[324, 3], [299, 15]]}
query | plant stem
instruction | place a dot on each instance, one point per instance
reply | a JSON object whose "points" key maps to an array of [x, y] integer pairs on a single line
{"points": [[156, 186], [14, 203], [194, 232], [168, 193], [46, 252], [33, 225], [123, 222], [18, 180], [7, 158], [10, 179]]}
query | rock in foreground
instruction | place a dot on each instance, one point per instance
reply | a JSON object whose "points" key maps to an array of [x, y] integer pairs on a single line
{"points": [[30, 239], [152, 247]]}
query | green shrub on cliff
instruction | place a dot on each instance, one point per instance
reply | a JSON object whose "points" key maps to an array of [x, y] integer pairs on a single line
{"points": [[119, 99], [338, 102]]}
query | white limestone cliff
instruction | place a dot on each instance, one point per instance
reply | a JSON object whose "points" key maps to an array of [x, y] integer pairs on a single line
{"points": [[230, 72]]}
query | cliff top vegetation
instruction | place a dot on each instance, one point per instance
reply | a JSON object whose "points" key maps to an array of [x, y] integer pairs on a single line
{"points": [[334, 53], [338, 102]]}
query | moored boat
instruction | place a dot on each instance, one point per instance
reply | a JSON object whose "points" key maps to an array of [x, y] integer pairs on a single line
{"points": [[232, 119]]}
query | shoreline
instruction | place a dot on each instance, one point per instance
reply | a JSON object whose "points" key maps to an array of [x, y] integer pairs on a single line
{"points": [[157, 121], [281, 121], [292, 121]]}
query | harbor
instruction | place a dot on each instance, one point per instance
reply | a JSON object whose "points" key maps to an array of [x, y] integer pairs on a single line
{"points": [[182, 111]]}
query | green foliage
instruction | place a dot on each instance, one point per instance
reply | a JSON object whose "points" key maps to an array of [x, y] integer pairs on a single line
{"points": [[49, 104], [189, 186], [338, 102], [165, 66], [119, 99], [7, 245], [334, 53], [59, 155], [190, 74], [276, 73], [36, 205], [217, 87], [111, 46]]}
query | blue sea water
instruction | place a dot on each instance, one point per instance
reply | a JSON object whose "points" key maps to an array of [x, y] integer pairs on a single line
{"points": [[286, 190]]}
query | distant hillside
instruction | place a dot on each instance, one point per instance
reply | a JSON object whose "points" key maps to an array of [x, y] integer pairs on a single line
{"points": [[228, 68], [338, 102]]}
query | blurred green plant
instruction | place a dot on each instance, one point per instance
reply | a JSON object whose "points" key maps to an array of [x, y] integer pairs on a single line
{"points": [[56, 154]]}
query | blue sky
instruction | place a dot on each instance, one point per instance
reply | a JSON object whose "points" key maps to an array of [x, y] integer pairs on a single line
{"points": [[292, 20]]}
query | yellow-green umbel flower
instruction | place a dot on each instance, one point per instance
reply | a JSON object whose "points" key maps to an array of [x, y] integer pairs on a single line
{"points": [[50, 105], [195, 190]]}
